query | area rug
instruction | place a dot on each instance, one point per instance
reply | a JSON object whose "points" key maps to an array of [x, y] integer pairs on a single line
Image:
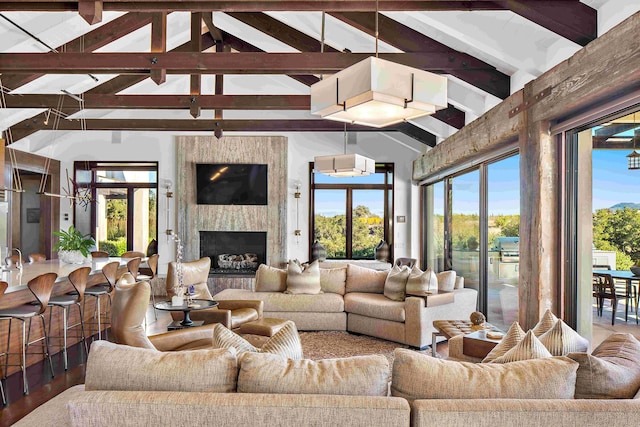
{"points": [[337, 344]]}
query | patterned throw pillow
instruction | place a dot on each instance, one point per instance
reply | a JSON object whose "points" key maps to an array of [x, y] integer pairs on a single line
{"points": [[420, 281], [303, 280], [561, 339], [514, 335], [547, 322], [270, 279], [529, 348], [446, 281], [394, 286], [285, 342]]}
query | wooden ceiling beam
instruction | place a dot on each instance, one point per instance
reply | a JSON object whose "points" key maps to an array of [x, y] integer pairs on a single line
{"points": [[464, 66], [568, 18], [255, 6], [90, 10], [88, 42], [210, 63], [159, 43], [417, 133]]}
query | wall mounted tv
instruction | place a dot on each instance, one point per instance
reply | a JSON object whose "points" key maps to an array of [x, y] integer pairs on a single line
{"points": [[231, 184]]}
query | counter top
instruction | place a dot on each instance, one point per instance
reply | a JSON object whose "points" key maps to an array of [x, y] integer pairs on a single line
{"points": [[18, 280]]}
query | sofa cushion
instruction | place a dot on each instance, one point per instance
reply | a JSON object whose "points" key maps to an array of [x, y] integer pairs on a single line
{"points": [[361, 279], [611, 371], [119, 367], [418, 376], [561, 339], [355, 376], [446, 280], [374, 305], [285, 342], [547, 321], [303, 279], [422, 281], [333, 280], [529, 347], [270, 279], [396, 282], [514, 335]]}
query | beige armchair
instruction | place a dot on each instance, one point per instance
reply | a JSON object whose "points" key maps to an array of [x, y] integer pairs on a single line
{"points": [[128, 310], [231, 313]]}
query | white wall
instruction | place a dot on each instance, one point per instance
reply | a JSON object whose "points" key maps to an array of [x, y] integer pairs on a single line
{"points": [[302, 147]]}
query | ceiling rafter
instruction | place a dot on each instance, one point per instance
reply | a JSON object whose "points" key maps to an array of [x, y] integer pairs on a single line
{"points": [[94, 39], [468, 68], [159, 43]]}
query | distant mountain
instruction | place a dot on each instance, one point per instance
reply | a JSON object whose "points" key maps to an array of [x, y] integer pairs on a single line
{"points": [[625, 205]]}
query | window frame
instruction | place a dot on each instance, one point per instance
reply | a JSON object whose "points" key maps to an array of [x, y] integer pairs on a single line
{"points": [[387, 187]]}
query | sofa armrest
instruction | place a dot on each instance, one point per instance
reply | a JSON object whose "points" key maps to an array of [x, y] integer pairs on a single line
{"points": [[131, 408], [257, 305], [169, 341]]}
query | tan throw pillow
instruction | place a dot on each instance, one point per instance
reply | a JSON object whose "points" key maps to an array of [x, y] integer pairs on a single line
{"points": [[514, 335], [270, 279], [420, 281], [394, 286], [529, 348], [611, 371], [418, 376], [446, 281], [285, 342], [303, 280], [119, 367], [333, 280], [353, 376], [561, 339], [362, 279], [547, 322]]}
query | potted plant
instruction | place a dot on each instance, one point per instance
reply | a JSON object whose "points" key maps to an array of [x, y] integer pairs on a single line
{"points": [[73, 247]]}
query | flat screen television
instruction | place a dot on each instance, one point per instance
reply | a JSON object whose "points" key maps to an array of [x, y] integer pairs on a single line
{"points": [[231, 184]]}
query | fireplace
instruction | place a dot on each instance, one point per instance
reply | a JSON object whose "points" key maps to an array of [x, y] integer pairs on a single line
{"points": [[234, 252]]}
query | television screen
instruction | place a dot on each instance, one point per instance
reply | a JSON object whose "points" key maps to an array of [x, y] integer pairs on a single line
{"points": [[231, 184]]}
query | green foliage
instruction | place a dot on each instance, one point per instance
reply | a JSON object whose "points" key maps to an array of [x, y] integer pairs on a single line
{"points": [[509, 225], [368, 230], [618, 230], [73, 240], [114, 247], [463, 227], [116, 212]]}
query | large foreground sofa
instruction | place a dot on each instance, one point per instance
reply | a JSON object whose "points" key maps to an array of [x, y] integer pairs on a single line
{"points": [[214, 387], [353, 298]]}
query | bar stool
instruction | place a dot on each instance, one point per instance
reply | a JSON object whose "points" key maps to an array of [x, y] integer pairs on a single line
{"points": [[41, 287], [78, 279], [133, 266], [37, 258], [152, 262], [3, 288], [110, 272], [99, 254]]}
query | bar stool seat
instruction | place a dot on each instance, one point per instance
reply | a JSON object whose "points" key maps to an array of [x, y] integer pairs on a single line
{"points": [[26, 311], [110, 272]]}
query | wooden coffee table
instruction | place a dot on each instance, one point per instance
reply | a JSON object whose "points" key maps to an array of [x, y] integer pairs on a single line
{"points": [[478, 344], [451, 328]]}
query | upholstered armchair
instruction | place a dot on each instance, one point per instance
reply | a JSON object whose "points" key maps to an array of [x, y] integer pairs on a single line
{"points": [[231, 313], [128, 310]]}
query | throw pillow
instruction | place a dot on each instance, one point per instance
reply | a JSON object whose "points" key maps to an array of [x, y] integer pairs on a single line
{"points": [[446, 281], [362, 279], [529, 348], [420, 281], [354, 376], [333, 280], [418, 376], [514, 335], [546, 322], [285, 342], [303, 280], [561, 339], [611, 371], [270, 279], [394, 286], [119, 367]]}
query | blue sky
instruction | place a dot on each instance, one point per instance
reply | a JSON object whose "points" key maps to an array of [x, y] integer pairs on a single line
{"points": [[332, 202], [612, 181]]}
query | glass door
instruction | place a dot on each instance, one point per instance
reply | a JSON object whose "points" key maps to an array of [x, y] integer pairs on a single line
{"points": [[465, 227], [367, 222], [111, 220]]}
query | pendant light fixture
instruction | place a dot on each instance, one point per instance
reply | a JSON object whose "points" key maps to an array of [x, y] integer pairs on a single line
{"points": [[633, 159], [344, 165], [378, 93]]}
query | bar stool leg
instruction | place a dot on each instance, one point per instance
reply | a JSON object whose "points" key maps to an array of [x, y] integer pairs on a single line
{"points": [[46, 346], [84, 336], [23, 360], [65, 322], [99, 317], [6, 356]]}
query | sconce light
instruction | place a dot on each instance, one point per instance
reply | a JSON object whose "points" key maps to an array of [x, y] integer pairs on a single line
{"points": [[168, 185], [297, 232]]}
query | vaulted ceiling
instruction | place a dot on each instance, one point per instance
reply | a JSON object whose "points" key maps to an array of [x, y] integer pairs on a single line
{"points": [[227, 66]]}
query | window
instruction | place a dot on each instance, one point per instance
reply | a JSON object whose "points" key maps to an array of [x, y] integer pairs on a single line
{"points": [[122, 213], [350, 216]]}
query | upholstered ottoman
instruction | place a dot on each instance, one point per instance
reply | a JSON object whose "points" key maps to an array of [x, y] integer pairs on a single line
{"points": [[259, 331]]}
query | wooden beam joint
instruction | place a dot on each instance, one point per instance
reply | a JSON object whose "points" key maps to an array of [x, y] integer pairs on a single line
{"points": [[529, 102], [90, 10]]}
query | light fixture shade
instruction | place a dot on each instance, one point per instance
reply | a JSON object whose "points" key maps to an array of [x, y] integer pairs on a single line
{"points": [[344, 165], [378, 93], [633, 160]]}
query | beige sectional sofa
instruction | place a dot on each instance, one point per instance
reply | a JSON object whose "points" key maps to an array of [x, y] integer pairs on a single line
{"points": [[213, 387], [353, 300]]}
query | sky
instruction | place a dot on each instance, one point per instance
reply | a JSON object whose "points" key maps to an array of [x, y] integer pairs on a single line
{"points": [[332, 202], [612, 181]]}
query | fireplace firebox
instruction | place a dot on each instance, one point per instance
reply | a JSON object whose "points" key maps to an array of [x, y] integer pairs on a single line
{"points": [[234, 252]]}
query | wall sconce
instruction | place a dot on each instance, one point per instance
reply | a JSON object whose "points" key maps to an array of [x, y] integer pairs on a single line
{"points": [[168, 185], [297, 232]]}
